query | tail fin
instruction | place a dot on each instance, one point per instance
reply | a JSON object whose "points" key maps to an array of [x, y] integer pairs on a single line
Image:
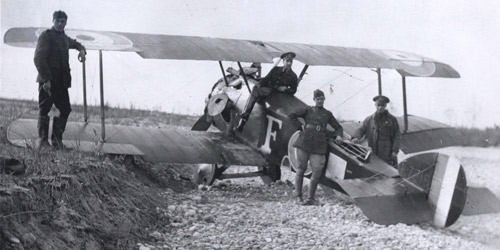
{"points": [[443, 179], [431, 188], [481, 200]]}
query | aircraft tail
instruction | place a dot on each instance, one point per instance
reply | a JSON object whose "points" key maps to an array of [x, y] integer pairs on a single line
{"points": [[431, 188]]}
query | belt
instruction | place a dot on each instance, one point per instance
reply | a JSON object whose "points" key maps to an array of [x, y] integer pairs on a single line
{"points": [[315, 127]]}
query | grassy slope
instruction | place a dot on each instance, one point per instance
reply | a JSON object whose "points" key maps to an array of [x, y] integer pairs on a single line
{"points": [[76, 200]]}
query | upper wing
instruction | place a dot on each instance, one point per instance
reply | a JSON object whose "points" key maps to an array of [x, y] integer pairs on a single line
{"points": [[156, 145], [422, 134], [204, 48]]}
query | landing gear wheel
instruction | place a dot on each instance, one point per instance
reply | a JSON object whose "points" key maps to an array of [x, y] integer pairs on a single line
{"points": [[292, 156], [273, 174], [208, 173], [205, 174]]}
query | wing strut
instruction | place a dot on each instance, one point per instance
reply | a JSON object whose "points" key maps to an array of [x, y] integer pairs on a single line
{"points": [[379, 74], [404, 104], [244, 77], [103, 132], [302, 73], [223, 74], [85, 116]]}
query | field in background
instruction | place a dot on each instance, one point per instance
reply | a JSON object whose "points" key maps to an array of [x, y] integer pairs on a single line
{"points": [[11, 109]]}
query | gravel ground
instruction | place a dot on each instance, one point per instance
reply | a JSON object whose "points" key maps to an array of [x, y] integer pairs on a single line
{"points": [[246, 214]]}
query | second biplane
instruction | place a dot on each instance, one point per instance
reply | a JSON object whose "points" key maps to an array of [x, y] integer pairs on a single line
{"points": [[425, 187]]}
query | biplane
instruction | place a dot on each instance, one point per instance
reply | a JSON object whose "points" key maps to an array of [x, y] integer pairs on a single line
{"points": [[426, 187]]}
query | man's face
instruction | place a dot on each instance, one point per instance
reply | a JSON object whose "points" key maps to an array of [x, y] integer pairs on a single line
{"points": [[319, 101], [287, 63], [59, 23], [380, 106]]}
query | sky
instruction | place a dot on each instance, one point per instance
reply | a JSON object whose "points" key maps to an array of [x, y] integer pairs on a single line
{"points": [[463, 34]]}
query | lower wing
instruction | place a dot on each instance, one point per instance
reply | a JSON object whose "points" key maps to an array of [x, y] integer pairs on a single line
{"points": [[155, 145]]}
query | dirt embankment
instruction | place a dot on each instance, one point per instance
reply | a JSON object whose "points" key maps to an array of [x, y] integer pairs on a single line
{"points": [[72, 200], [76, 200]]}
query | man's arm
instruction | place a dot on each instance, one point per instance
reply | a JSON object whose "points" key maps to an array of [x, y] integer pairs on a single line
{"points": [[396, 141], [294, 117], [74, 44], [41, 59], [265, 81], [339, 130], [361, 131], [292, 84]]}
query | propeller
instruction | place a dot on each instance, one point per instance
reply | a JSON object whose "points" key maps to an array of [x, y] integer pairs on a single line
{"points": [[202, 124], [215, 106]]}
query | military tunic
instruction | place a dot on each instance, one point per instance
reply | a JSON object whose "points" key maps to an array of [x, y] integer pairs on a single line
{"points": [[278, 78], [269, 84], [383, 135], [52, 63], [52, 57], [313, 138]]}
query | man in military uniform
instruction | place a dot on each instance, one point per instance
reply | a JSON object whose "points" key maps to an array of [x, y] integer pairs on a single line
{"points": [[312, 143], [54, 78], [382, 132], [279, 79]]}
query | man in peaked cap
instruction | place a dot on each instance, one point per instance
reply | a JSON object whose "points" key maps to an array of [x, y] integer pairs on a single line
{"points": [[312, 143], [381, 129], [279, 79], [54, 78]]}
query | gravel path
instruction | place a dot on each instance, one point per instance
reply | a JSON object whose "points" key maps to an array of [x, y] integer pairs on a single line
{"points": [[245, 214]]}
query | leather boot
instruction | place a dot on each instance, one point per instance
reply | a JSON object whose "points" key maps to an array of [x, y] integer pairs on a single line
{"points": [[298, 189], [246, 112], [43, 132], [313, 185], [241, 123], [58, 127]]}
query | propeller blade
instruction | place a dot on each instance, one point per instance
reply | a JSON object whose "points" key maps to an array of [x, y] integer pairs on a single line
{"points": [[202, 124]]}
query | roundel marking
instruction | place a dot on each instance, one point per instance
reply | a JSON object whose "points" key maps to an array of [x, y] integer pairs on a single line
{"points": [[85, 38], [97, 40], [411, 63]]}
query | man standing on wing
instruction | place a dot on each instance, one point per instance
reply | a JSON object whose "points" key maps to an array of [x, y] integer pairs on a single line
{"points": [[312, 143], [279, 79], [382, 132], [54, 79]]}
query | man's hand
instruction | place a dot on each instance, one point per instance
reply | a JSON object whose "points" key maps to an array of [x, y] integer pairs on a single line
{"points": [[394, 155], [46, 87], [81, 55], [394, 158], [282, 88], [338, 139], [355, 140]]}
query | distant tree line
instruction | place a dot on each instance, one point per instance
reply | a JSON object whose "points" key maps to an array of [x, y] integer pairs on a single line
{"points": [[489, 137]]}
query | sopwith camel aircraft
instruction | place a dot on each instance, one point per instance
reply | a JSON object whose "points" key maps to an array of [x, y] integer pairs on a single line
{"points": [[425, 187]]}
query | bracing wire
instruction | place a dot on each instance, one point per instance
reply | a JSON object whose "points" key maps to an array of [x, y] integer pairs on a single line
{"points": [[328, 82], [355, 94]]}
